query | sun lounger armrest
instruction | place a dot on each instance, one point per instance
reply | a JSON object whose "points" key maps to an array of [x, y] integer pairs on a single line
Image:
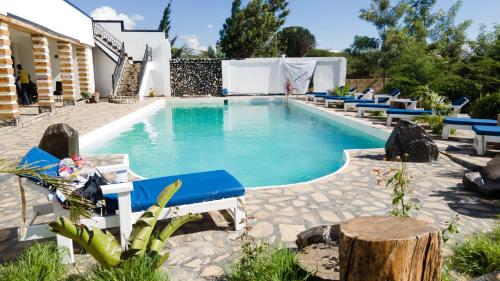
{"points": [[113, 168], [117, 188]]}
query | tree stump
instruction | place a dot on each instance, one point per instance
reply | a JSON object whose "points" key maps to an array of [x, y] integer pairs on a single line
{"points": [[389, 248]]}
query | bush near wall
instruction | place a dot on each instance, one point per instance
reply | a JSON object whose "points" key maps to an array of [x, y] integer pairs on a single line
{"points": [[455, 87], [487, 106], [196, 77]]}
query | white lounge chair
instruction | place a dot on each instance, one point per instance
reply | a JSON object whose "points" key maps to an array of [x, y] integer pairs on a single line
{"points": [[463, 124], [484, 135], [457, 105], [201, 192]]}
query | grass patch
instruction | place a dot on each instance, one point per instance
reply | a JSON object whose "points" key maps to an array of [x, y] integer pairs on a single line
{"points": [[479, 254], [38, 262], [264, 262], [136, 268]]}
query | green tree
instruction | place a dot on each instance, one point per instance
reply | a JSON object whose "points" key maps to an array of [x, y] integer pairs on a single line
{"points": [[165, 23], [296, 41], [363, 57], [448, 38], [211, 53], [419, 18], [252, 30], [384, 17]]}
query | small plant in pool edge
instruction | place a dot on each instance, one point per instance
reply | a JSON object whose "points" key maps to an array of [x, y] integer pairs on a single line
{"points": [[262, 261], [399, 180]]}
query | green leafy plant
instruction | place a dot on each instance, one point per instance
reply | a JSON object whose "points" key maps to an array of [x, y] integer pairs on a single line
{"points": [[105, 248], [78, 206], [40, 261], [431, 100], [455, 87], [487, 106], [86, 95], [478, 254], [399, 180], [342, 91], [263, 261]]}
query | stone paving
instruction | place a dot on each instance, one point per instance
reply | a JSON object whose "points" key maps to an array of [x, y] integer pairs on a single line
{"points": [[205, 249]]}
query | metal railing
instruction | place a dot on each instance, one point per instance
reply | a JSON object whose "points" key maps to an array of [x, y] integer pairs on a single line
{"points": [[148, 56], [107, 39], [118, 72]]}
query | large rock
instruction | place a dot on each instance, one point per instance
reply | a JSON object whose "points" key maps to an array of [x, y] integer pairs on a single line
{"points": [[318, 234], [60, 140], [492, 170], [475, 182], [410, 138], [494, 276]]}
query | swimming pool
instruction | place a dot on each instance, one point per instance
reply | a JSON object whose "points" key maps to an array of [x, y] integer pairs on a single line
{"points": [[262, 142]]}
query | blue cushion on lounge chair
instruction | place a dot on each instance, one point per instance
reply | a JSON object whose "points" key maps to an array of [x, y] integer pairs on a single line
{"points": [[39, 158], [360, 101], [196, 188], [459, 101], [337, 98], [409, 111], [373, 105], [469, 121], [487, 130], [316, 93]]}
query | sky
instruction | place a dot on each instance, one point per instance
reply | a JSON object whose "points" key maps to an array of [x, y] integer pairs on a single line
{"points": [[333, 22]]}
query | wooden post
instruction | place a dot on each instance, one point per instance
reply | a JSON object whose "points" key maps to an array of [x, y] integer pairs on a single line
{"points": [[389, 248]]}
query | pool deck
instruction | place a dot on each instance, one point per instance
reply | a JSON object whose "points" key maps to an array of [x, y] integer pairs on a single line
{"points": [[202, 250]]}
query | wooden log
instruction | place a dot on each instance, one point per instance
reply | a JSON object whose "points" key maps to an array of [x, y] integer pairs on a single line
{"points": [[389, 249]]}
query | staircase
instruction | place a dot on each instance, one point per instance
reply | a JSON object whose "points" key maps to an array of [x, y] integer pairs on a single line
{"points": [[127, 76], [128, 86]]}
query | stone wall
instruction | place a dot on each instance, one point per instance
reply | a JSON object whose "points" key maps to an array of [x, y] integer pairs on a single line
{"points": [[196, 77], [361, 84]]}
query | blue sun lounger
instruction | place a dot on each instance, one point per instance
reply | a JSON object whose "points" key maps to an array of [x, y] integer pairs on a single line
{"points": [[484, 135], [406, 114], [457, 105], [366, 94], [377, 99], [362, 107], [464, 124], [200, 193], [314, 94]]}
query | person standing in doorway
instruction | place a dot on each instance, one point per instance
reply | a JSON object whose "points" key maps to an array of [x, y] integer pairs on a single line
{"points": [[23, 77]]}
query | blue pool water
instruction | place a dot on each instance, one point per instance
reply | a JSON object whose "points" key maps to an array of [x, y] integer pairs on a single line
{"points": [[260, 142]]}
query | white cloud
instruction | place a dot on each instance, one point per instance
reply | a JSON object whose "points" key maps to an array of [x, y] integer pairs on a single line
{"points": [[108, 13], [210, 26], [192, 42]]}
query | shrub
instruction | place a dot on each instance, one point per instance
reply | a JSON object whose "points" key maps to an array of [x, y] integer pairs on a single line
{"points": [[487, 106], [136, 268], [407, 86], [477, 255], [262, 262], [455, 87], [38, 262]]}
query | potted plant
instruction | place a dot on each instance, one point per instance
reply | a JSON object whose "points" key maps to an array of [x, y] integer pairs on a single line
{"points": [[86, 96], [152, 93]]}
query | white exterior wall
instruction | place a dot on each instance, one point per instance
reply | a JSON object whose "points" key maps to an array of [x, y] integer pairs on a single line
{"points": [[102, 72], [135, 45], [56, 15], [264, 75]]}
